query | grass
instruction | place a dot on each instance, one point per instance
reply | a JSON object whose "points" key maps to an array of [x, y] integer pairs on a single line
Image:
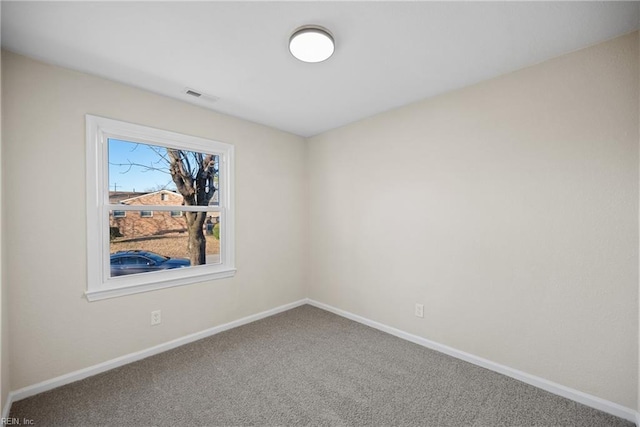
{"points": [[173, 245]]}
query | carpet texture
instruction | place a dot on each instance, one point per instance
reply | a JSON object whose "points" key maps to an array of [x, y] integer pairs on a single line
{"points": [[304, 367]]}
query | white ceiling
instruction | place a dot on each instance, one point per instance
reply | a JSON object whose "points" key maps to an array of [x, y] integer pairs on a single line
{"points": [[387, 53]]}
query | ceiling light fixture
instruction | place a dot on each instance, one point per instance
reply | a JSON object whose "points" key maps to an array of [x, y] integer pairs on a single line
{"points": [[311, 43]]}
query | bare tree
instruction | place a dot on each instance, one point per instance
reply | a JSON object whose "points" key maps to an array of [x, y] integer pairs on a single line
{"points": [[194, 176], [158, 187]]}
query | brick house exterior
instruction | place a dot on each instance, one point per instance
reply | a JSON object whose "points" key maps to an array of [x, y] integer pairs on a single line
{"points": [[148, 223]]}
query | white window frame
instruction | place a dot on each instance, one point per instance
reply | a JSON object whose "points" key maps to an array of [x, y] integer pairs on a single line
{"points": [[145, 213], [100, 284], [124, 213]]}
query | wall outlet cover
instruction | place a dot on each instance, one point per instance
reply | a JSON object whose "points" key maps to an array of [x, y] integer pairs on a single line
{"points": [[156, 317]]}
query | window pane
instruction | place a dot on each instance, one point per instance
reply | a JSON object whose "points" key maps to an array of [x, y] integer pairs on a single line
{"points": [[141, 174], [161, 242]]}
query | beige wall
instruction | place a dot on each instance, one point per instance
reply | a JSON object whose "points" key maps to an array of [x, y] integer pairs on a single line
{"points": [[54, 330], [509, 209]]}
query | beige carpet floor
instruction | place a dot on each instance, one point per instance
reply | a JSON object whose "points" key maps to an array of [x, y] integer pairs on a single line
{"points": [[304, 367]]}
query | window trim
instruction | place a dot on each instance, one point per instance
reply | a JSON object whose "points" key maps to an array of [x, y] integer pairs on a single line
{"points": [[99, 283], [145, 213]]}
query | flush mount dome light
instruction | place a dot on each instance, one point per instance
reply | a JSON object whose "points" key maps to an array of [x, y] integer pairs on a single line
{"points": [[311, 43]]}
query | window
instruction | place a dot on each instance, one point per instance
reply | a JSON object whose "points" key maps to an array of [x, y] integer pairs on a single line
{"points": [[170, 241]]}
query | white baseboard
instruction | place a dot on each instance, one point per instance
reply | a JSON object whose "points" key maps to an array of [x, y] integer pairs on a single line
{"points": [[47, 385], [569, 393]]}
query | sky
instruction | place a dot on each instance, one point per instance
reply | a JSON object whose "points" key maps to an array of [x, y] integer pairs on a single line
{"points": [[123, 177]]}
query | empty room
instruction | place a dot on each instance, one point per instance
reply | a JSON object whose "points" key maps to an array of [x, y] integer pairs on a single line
{"points": [[319, 213]]}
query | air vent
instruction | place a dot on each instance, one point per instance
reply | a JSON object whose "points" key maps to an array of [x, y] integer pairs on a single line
{"points": [[193, 93], [200, 95]]}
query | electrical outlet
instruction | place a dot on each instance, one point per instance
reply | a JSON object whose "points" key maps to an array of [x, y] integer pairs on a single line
{"points": [[419, 310], [156, 318]]}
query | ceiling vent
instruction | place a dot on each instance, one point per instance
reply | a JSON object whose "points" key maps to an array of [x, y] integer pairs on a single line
{"points": [[202, 96]]}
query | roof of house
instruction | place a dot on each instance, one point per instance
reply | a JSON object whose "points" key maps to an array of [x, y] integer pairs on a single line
{"points": [[123, 197], [137, 196], [119, 196]]}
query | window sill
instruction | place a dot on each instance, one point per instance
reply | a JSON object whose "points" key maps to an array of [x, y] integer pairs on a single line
{"points": [[100, 294]]}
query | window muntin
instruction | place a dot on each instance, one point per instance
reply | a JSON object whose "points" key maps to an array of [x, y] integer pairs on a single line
{"points": [[102, 136]]}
